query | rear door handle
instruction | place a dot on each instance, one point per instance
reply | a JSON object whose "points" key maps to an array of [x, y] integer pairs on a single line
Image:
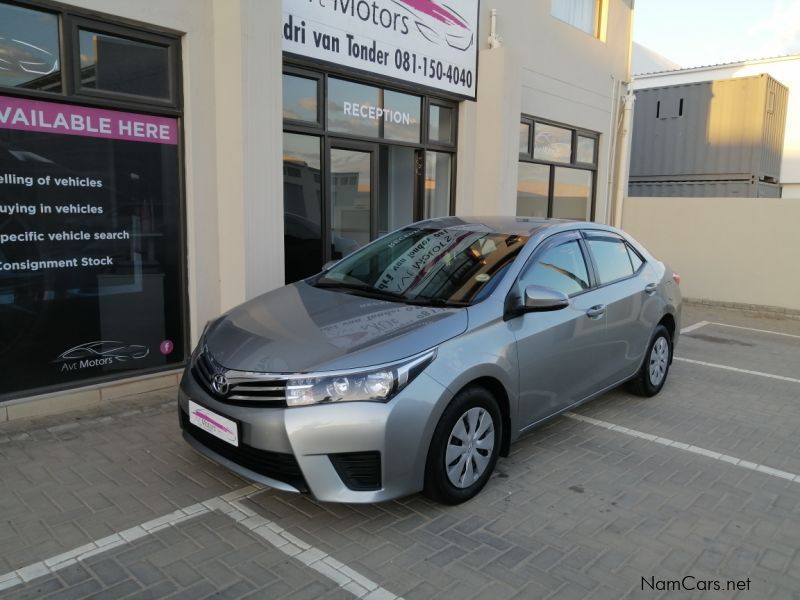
{"points": [[596, 311], [650, 289]]}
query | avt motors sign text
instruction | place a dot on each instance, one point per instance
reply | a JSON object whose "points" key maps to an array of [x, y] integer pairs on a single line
{"points": [[428, 42]]}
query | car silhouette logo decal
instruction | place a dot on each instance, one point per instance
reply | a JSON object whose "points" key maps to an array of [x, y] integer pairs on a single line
{"points": [[200, 414], [220, 384], [100, 353], [439, 23]]}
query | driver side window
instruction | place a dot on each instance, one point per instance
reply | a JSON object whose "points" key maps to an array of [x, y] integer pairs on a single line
{"points": [[560, 267]]}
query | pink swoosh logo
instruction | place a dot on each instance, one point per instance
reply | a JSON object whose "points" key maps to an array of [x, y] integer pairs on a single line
{"points": [[437, 12], [208, 419]]}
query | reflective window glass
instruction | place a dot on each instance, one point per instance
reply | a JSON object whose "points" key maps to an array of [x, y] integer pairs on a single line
{"points": [[401, 116], [353, 108], [441, 124], [585, 150], [583, 14], [396, 193], [611, 257], [438, 170], [572, 193], [533, 184], [300, 98], [551, 143], [524, 135], [116, 64], [29, 54], [351, 192], [440, 265], [560, 268], [302, 206], [97, 288], [636, 260]]}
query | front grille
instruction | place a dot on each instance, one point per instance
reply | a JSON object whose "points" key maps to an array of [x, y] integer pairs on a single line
{"points": [[360, 471], [274, 465], [245, 389]]}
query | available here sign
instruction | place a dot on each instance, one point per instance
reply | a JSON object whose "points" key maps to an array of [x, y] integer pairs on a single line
{"points": [[429, 42]]}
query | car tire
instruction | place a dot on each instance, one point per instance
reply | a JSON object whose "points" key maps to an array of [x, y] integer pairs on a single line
{"points": [[471, 421], [655, 366]]}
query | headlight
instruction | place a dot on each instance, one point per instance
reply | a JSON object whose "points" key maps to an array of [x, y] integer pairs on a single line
{"points": [[201, 341], [377, 384]]}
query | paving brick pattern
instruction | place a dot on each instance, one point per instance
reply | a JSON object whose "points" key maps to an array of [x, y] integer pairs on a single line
{"points": [[211, 555], [577, 511]]}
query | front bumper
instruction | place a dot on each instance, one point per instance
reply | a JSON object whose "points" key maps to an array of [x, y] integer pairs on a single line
{"points": [[300, 449]]}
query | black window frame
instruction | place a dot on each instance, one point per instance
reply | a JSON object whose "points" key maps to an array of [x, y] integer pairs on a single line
{"points": [[552, 242], [69, 68], [587, 236], [319, 124], [77, 24], [69, 20], [304, 68], [573, 163]]}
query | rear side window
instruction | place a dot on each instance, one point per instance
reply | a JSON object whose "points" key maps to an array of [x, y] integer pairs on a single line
{"points": [[560, 268], [636, 260], [612, 257]]}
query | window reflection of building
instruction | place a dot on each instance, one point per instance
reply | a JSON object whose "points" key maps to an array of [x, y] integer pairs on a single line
{"points": [[557, 172], [301, 189], [389, 160]]}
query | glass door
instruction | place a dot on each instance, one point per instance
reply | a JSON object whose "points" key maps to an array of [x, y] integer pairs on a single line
{"points": [[352, 215]]}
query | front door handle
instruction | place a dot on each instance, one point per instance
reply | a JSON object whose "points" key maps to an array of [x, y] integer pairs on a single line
{"points": [[650, 289], [596, 311]]}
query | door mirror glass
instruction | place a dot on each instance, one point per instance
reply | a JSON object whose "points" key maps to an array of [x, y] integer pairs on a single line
{"points": [[540, 298]]}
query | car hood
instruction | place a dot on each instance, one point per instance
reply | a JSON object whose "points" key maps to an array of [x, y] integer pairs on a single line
{"points": [[300, 328]]}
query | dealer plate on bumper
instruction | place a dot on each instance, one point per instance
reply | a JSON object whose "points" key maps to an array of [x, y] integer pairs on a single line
{"points": [[215, 424]]}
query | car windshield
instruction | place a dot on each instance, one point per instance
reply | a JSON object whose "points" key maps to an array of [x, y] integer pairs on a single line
{"points": [[453, 266]]}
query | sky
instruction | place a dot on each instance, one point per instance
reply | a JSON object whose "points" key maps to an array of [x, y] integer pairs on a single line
{"points": [[704, 32]]}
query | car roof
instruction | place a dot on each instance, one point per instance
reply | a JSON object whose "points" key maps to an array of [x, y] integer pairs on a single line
{"points": [[528, 226]]}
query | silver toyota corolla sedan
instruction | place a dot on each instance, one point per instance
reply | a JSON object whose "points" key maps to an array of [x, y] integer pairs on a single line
{"points": [[413, 363]]}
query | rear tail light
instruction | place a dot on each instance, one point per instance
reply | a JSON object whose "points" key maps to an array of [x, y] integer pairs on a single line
{"points": [[677, 278]]}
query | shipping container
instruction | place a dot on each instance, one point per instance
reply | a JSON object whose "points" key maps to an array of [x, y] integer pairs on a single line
{"points": [[714, 188], [730, 129]]}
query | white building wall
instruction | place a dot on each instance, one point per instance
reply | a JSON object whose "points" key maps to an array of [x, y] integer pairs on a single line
{"points": [[785, 69], [547, 69]]}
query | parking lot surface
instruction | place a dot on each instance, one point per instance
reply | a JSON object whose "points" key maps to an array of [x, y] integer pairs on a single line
{"points": [[624, 497]]}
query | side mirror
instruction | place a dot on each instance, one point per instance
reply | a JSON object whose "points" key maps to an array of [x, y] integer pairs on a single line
{"points": [[539, 298]]}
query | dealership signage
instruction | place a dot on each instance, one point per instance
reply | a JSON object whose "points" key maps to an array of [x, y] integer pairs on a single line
{"points": [[90, 243], [376, 113], [427, 42]]}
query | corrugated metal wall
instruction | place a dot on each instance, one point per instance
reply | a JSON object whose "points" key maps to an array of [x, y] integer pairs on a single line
{"points": [[705, 189], [774, 127], [730, 130]]}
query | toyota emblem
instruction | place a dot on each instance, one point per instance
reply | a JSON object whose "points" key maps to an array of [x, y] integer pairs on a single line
{"points": [[220, 384]]}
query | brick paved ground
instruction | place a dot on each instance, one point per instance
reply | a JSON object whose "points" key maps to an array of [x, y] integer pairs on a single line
{"points": [[577, 511]]}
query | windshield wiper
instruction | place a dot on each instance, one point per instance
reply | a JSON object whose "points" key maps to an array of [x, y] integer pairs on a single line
{"points": [[428, 301], [362, 287], [386, 294]]}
